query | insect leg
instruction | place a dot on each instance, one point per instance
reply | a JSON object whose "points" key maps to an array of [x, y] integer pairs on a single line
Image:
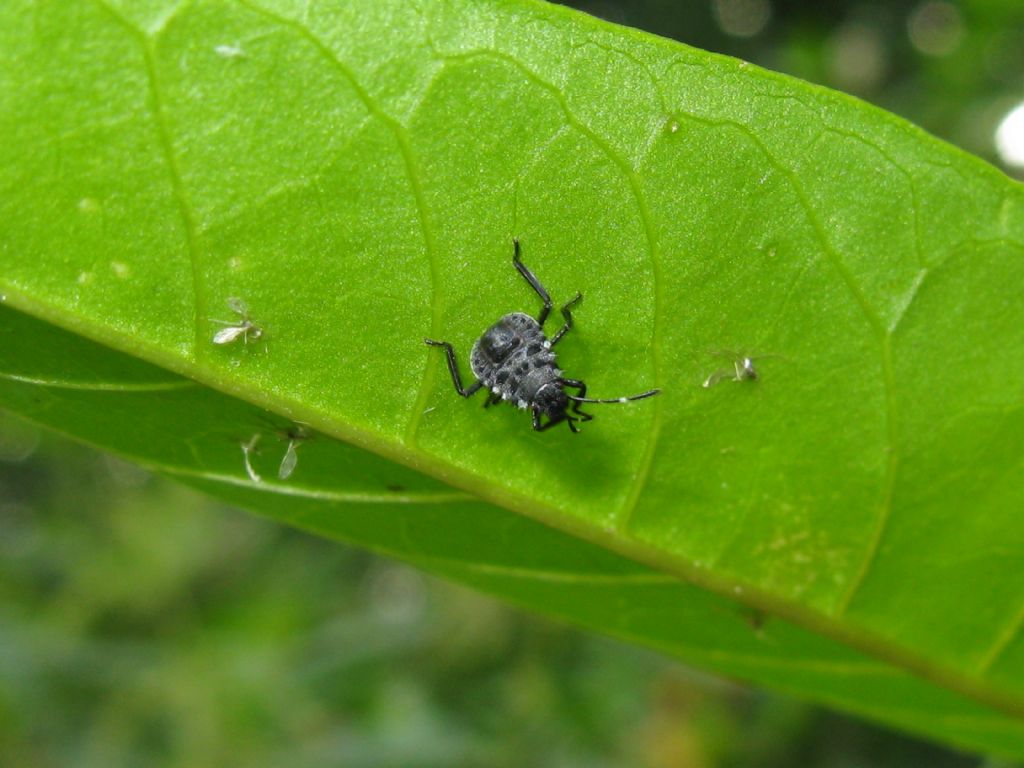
{"points": [[453, 368], [581, 388], [538, 427], [533, 281], [568, 319], [491, 399]]}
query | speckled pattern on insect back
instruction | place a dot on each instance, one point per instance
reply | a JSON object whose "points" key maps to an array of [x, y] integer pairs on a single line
{"points": [[514, 359]]}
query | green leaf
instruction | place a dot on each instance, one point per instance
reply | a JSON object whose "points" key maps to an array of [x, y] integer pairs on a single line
{"points": [[845, 526]]}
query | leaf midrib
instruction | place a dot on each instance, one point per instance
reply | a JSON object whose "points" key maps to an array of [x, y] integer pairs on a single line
{"points": [[656, 559]]}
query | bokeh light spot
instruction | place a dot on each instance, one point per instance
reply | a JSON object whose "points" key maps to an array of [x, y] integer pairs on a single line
{"points": [[742, 18], [935, 28], [1010, 137], [858, 57]]}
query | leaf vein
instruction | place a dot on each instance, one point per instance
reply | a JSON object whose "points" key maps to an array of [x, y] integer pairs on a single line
{"points": [[318, 494], [552, 577], [883, 335], [159, 111], [1003, 641], [413, 173], [99, 386], [636, 188]]}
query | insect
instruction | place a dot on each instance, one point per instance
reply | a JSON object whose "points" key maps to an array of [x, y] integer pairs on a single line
{"points": [[295, 434], [515, 361], [242, 327], [248, 449], [742, 368]]}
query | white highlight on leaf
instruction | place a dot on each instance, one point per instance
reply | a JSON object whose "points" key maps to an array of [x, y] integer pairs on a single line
{"points": [[230, 51]]}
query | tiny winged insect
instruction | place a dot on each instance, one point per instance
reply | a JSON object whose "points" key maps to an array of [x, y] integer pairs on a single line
{"points": [[514, 360], [742, 368], [295, 434], [242, 327]]}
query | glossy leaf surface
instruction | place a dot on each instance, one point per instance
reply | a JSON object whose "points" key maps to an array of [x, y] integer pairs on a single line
{"points": [[356, 172]]}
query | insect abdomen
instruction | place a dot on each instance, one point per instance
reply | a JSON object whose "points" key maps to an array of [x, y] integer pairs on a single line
{"points": [[513, 359]]}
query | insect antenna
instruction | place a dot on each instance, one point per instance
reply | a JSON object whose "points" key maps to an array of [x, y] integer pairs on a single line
{"points": [[641, 396]]}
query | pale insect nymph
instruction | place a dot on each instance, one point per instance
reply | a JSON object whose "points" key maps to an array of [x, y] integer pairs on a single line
{"points": [[515, 361]]}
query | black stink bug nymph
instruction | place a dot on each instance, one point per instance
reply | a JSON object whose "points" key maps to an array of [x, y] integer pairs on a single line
{"points": [[515, 361]]}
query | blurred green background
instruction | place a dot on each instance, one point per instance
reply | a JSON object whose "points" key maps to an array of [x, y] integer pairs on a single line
{"points": [[144, 625]]}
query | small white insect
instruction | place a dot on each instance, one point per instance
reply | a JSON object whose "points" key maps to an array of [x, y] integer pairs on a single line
{"points": [[291, 458], [742, 370], [243, 327], [296, 435], [248, 448]]}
